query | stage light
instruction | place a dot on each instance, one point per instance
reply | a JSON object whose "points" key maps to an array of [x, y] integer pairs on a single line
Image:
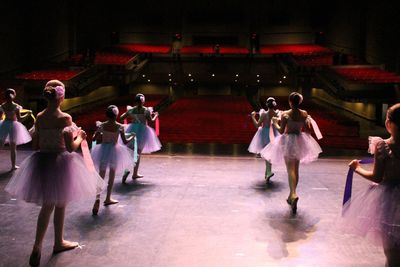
{"points": [[258, 81], [237, 74], [235, 81], [280, 81], [258, 75], [191, 80], [190, 75], [213, 75], [284, 77], [144, 75], [148, 80], [170, 80], [169, 74]]}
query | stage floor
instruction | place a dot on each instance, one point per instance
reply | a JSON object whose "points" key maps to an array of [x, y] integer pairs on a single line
{"points": [[198, 211]]}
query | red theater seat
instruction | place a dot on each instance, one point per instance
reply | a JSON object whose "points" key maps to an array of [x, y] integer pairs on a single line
{"points": [[295, 49], [144, 48], [208, 119], [62, 75], [367, 75]]}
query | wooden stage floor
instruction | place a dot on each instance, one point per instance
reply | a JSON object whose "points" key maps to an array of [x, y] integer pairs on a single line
{"points": [[197, 211]]}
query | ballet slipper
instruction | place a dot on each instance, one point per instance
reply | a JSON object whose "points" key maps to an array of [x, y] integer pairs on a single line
{"points": [[137, 176], [268, 177], [34, 259], [125, 176], [110, 202], [96, 207], [66, 245], [293, 205]]}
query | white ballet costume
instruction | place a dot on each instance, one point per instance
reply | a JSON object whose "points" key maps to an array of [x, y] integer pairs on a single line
{"points": [[11, 130], [262, 136], [147, 140], [293, 144], [111, 153]]}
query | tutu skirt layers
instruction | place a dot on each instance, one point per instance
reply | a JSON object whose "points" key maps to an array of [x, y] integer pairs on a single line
{"points": [[147, 140], [260, 140], [14, 132], [302, 147], [114, 156], [374, 214], [54, 178]]}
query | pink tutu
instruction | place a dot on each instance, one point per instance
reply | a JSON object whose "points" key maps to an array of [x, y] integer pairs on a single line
{"points": [[114, 156], [374, 214], [302, 147], [14, 132], [54, 178], [147, 140]]}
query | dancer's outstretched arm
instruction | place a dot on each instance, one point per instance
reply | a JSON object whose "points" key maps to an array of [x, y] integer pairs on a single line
{"points": [[376, 175]]}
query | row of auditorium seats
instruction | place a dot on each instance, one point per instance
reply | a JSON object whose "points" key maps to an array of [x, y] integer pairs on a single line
{"points": [[367, 74], [207, 119], [62, 75]]}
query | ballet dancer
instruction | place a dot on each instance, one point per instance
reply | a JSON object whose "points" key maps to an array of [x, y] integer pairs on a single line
{"points": [[147, 140], [263, 134], [375, 212], [54, 175], [293, 145], [11, 130], [110, 154]]}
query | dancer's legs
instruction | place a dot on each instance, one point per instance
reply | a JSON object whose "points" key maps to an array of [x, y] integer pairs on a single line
{"points": [[59, 243], [13, 154], [292, 167], [111, 178]]}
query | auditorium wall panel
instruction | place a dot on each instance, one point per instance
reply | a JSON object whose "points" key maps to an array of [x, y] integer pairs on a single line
{"points": [[151, 89], [275, 91], [364, 110], [104, 93]]}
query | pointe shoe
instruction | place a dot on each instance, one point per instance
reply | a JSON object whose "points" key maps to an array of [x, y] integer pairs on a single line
{"points": [[34, 259], [137, 176], [96, 207], [13, 168], [268, 178], [293, 205], [125, 176]]}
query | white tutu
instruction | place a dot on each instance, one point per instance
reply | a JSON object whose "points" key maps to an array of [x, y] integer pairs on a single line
{"points": [[302, 147], [147, 140], [374, 214], [54, 178], [114, 156], [260, 139], [14, 132]]}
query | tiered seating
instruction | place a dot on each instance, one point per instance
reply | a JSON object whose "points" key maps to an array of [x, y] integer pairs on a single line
{"points": [[209, 49], [62, 75], [113, 58], [87, 118], [338, 131], [314, 60], [295, 49], [143, 48], [367, 75], [207, 119]]}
